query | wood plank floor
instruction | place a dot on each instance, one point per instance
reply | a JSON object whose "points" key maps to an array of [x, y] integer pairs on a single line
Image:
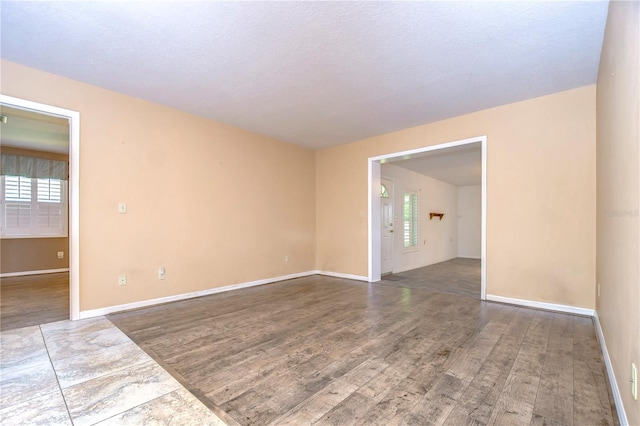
{"points": [[456, 276], [33, 300], [321, 350]]}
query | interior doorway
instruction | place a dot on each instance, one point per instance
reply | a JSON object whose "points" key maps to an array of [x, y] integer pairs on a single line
{"points": [[375, 240], [73, 118], [387, 225]]}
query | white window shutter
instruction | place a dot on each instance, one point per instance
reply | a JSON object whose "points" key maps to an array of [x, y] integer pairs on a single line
{"points": [[17, 218], [34, 207]]}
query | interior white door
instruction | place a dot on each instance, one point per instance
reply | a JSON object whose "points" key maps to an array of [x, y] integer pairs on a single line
{"points": [[386, 216]]}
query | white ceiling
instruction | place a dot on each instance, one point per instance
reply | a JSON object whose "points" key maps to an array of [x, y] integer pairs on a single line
{"points": [[315, 74], [459, 166], [33, 130]]}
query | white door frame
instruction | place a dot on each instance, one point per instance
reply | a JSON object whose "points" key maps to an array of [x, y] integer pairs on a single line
{"points": [[374, 252], [74, 191]]}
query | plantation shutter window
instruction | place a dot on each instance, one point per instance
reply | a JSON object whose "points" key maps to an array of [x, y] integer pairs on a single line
{"points": [[410, 220], [34, 197], [17, 205]]}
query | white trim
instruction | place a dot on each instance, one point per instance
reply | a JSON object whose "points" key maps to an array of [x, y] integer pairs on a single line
{"points": [[26, 237], [124, 307], [374, 249], [483, 232], [341, 275], [74, 216], [39, 272], [427, 148], [374, 269], [622, 415], [541, 305], [74, 191], [469, 257], [134, 305]]}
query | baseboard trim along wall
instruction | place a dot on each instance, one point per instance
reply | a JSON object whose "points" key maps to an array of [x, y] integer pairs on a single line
{"points": [[542, 305], [42, 271], [144, 303], [622, 415], [340, 275]]}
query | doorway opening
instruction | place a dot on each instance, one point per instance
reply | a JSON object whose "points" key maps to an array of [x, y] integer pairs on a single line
{"points": [[73, 192], [375, 230], [387, 225]]}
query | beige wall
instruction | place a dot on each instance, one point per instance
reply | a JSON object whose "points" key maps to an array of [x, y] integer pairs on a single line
{"points": [[31, 153], [33, 254], [618, 188], [214, 204], [204, 198], [540, 190]]}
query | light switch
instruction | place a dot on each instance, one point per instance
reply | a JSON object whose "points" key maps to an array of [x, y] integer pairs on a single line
{"points": [[122, 207]]}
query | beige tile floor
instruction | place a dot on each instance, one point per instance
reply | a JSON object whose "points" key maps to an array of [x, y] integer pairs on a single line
{"points": [[85, 373]]}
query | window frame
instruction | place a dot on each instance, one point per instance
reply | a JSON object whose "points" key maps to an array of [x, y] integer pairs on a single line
{"points": [[384, 191], [35, 230], [411, 221]]}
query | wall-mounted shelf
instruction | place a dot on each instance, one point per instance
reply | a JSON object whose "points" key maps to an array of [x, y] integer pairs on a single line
{"points": [[432, 215]]}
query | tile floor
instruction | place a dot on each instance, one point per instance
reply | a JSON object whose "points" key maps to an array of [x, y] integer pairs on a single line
{"points": [[85, 373]]}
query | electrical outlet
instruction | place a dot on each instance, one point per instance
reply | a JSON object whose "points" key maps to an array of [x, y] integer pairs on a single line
{"points": [[162, 273], [634, 381], [598, 286], [122, 279], [60, 255], [286, 259], [122, 208]]}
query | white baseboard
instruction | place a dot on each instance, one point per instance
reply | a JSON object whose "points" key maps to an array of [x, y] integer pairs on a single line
{"points": [[340, 275], [542, 305], [134, 305], [622, 415], [42, 271], [470, 257]]}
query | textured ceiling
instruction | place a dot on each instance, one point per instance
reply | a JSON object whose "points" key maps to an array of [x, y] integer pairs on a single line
{"points": [[315, 74], [459, 166], [32, 130]]}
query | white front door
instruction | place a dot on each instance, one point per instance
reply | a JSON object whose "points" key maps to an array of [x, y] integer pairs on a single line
{"points": [[386, 216]]}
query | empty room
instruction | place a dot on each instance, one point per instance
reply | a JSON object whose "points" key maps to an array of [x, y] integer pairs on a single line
{"points": [[331, 213]]}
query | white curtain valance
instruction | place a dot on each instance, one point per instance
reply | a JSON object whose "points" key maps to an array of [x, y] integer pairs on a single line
{"points": [[31, 167]]}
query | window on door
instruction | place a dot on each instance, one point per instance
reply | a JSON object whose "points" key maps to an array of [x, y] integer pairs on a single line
{"points": [[410, 222], [384, 192]]}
